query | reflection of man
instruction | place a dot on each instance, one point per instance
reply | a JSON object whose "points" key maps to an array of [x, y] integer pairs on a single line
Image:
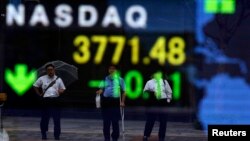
{"points": [[52, 86], [112, 99], [160, 94]]}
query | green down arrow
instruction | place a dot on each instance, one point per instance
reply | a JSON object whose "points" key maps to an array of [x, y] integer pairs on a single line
{"points": [[20, 80]]}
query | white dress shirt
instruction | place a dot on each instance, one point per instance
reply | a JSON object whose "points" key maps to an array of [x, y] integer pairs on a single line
{"points": [[43, 83], [164, 91]]}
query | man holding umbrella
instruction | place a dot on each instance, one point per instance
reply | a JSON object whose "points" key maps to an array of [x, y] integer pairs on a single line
{"points": [[52, 87], [113, 97]]}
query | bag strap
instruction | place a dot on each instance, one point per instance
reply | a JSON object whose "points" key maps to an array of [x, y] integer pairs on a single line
{"points": [[164, 83], [50, 84]]}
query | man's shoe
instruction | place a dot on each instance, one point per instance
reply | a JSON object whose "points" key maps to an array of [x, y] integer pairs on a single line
{"points": [[145, 138], [161, 139], [57, 138], [44, 138]]}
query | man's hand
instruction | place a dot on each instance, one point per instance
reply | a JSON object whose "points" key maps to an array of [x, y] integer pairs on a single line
{"points": [[38, 91], [168, 100], [122, 104], [99, 91], [40, 94], [60, 91]]}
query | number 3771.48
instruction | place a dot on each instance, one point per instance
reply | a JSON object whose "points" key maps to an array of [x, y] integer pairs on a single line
{"points": [[163, 50]]}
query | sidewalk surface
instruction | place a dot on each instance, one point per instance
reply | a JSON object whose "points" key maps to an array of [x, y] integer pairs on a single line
{"points": [[27, 129]]}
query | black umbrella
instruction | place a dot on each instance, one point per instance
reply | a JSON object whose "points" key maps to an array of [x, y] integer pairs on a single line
{"points": [[67, 72]]}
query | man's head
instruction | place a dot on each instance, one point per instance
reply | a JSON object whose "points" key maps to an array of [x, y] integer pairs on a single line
{"points": [[112, 69], [50, 68], [159, 73]]}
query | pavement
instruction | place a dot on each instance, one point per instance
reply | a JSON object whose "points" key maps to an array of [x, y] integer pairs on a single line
{"points": [[21, 128]]}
